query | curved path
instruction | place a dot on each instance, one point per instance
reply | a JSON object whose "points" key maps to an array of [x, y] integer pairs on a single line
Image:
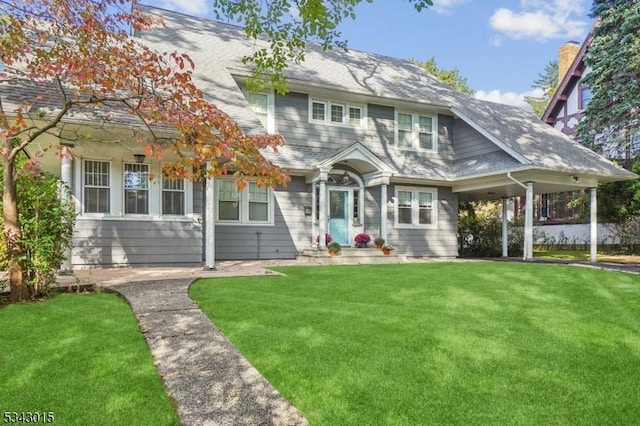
{"points": [[209, 380]]}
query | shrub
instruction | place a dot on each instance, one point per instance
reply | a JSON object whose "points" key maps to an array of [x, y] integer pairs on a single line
{"points": [[47, 227], [334, 247]]}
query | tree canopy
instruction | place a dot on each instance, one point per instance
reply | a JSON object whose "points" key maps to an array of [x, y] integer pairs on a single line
{"points": [[451, 77], [288, 24], [77, 60], [612, 115]]}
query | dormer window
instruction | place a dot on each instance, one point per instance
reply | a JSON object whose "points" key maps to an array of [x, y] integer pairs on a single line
{"points": [[262, 105], [585, 97], [336, 113], [415, 131]]}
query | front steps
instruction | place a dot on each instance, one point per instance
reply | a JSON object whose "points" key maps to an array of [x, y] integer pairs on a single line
{"points": [[350, 255]]}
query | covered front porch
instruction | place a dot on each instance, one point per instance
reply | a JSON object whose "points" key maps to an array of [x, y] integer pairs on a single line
{"points": [[339, 206], [525, 184]]}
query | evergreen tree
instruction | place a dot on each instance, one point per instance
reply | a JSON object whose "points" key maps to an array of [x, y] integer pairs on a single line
{"points": [[612, 116]]}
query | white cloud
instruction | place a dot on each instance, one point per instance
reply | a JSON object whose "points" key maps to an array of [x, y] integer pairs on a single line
{"points": [[189, 7], [445, 6], [541, 20], [508, 98]]}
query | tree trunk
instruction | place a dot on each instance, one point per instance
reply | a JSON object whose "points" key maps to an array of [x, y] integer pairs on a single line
{"points": [[12, 232]]}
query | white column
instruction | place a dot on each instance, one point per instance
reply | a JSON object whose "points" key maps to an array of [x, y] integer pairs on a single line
{"points": [[322, 226], [505, 228], [594, 225], [66, 176], [528, 223], [383, 211], [314, 213], [210, 226]]}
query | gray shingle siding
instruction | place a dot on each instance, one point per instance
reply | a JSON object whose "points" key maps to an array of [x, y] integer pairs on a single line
{"points": [[467, 142], [136, 242], [439, 242], [289, 235]]}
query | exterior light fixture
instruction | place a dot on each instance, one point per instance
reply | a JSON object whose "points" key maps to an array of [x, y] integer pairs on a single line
{"points": [[139, 158]]}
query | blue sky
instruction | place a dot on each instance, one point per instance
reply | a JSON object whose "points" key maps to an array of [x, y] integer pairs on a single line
{"points": [[500, 46]]}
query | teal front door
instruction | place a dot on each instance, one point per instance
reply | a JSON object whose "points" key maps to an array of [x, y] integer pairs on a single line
{"points": [[339, 216]]}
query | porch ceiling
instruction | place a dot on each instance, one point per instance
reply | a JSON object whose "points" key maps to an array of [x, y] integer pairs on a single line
{"points": [[500, 185]]}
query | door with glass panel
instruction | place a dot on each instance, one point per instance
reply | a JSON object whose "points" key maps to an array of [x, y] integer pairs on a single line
{"points": [[339, 216]]}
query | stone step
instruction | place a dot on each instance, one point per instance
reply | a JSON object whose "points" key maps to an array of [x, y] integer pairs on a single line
{"points": [[350, 255]]}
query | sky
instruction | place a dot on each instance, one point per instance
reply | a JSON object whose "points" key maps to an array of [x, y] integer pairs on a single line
{"points": [[499, 46]]}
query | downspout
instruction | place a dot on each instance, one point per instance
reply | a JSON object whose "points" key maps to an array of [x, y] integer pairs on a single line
{"points": [[528, 217]]}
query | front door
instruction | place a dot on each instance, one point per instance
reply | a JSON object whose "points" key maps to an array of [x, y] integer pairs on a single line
{"points": [[339, 216]]}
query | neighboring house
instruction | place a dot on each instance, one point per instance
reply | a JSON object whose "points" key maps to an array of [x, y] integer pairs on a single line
{"points": [[374, 144], [564, 112]]}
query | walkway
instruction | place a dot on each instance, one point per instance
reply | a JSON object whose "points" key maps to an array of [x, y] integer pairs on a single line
{"points": [[210, 382]]}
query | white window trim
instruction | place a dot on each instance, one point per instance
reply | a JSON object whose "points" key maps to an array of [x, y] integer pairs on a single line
{"points": [[117, 193], [244, 208], [415, 131], [415, 209], [346, 122], [80, 194]]}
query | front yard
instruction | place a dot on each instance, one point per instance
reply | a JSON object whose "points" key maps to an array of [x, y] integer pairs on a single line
{"points": [[442, 343], [78, 360]]}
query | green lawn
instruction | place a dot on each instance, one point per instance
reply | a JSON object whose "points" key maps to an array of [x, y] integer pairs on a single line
{"points": [[442, 343], [83, 358]]}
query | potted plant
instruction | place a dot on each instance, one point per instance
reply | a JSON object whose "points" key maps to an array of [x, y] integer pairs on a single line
{"points": [[327, 239], [386, 249], [379, 242], [362, 240], [334, 248]]}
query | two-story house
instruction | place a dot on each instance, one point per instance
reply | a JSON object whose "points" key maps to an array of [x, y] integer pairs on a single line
{"points": [[373, 144]]}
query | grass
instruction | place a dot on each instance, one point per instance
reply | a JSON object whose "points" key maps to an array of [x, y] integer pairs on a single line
{"points": [[83, 358], [446, 343], [584, 255]]}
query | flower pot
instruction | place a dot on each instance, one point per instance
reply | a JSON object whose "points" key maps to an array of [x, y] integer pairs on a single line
{"points": [[379, 246], [331, 253], [361, 245], [386, 252]]}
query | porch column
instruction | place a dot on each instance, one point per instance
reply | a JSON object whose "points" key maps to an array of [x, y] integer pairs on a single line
{"points": [[528, 223], [505, 228], [594, 225], [314, 214], [322, 225], [383, 211], [66, 176], [210, 226]]}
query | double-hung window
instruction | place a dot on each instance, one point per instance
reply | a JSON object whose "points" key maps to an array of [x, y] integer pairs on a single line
{"points": [[252, 205], [262, 105], [416, 207], [97, 186], [136, 188], [172, 196], [415, 131], [336, 113]]}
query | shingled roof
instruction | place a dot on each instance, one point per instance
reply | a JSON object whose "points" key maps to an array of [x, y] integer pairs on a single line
{"points": [[218, 48]]}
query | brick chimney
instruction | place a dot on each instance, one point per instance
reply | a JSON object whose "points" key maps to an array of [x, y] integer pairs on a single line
{"points": [[566, 54]]}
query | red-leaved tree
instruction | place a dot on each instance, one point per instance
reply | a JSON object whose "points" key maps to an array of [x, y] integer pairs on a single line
{"points": [[79, 57]]}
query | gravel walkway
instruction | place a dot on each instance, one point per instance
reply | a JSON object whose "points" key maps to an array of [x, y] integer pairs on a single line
{"points": [[209, 380]]}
